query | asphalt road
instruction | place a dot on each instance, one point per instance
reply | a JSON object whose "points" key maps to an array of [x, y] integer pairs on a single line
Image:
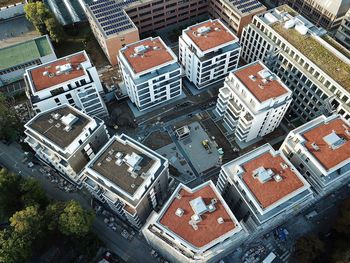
{"points": [[133, 251]]}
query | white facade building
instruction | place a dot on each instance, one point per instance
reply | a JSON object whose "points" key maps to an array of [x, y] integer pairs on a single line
{"points": [[253, 101], [151, 72], [66, 138], [263, 187], [207, 52], [320, 150], [72, 80], [305, 58], [195, 225], [131, 178]]}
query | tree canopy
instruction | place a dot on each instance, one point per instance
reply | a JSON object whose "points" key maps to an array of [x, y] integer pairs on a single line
{"points": [[10, 125], [43, 20], [308, 248]]}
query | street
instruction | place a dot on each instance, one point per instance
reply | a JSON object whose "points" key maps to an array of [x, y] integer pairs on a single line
{"points": [[134, 251]]}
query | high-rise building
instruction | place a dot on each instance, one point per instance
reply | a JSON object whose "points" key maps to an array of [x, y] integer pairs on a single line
{"points": [[151, 73], [66, 138], [207, 52], [304, 57], [263, 187], [343, 33], [195, 225], [71, 79], [253, 101], [320, 150], [327, 14], [129, 177], [235, 13]]}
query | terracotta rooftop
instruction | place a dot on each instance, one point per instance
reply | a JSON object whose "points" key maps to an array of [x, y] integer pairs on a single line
{"points": [[254, 82], [152, 53], [216, 35], [208, 229], [325, 154], [45, 76], [271, 191]]}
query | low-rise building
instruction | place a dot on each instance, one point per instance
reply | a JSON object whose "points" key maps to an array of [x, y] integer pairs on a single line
{"points": [[320, 150], [207, 52], [263, 188], [235, 13], [131, 178], [71, 79], [17, 57], [195, 225], [151, 72], [66, 138], [253, 101]]}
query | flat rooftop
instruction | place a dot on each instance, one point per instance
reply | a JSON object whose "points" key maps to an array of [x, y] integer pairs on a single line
{"points": [[317, 52], [210, 34], [51, 125], [189, 201], [20, 53], [58, 71], [270, 190], [328, 154], [147, 54], [261, 82], [124, 165]]}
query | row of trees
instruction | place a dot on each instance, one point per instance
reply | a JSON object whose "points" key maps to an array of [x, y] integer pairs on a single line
{"points": [[36, 223], [43, 20], [337, 250], [10, 125]]}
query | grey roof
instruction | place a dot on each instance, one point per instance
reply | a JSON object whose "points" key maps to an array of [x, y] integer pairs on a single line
{"points": [[246, 6]]}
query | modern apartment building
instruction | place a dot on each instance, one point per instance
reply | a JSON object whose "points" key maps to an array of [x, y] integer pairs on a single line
{"points": [[66, 138], [320, 150], [253, 101], [151, 72], [343, 33], [71, 79], [327, 14], [263, 188], [16, 58], [304, 57], [131, 178], [116, 23], [195, 225], [235, 13], [207, 52]]}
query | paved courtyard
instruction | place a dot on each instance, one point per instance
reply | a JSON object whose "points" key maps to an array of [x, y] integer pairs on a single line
{"points": [[201, 159]]}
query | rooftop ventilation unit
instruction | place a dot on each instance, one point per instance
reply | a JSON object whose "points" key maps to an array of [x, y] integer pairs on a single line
{"points": [[132, 185], [132, 160], [333, 140], [214, 201], [56, 116], [277, 177], [179, 212], [315, 146], [57, 125], [118, 155], [68, 128], [198, 206], [65, 68], [156, 48], [284, 166], [264, 74], [45, 73], [196, 218], [262, 174], [50, 121], [119, 162], [178, 196], [217, 29], [193, 224], [289, 24], [252, 77], [203, 30], [99, 164], [220, 220], [140, 49], [211, 208], [69, 119], [108, 159]]}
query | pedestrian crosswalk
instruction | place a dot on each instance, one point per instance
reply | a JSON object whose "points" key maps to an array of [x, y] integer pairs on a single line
{"points": [[284, 256]]}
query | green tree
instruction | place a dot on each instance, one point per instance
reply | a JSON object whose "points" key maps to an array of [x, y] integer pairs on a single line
{"points": [[37, 13], [13, 247], [10, 193], [74, 220], [32, 193], [52, 215], [10, 125], [28, 222], [55, 29], [308, 248]]}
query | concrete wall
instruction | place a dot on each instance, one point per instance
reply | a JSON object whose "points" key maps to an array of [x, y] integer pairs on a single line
{"points": [[12, 11]]}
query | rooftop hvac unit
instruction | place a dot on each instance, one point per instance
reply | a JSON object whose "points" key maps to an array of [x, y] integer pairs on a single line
{"points": [[118, 155], [220, 220], [277, 178], [50, 121], [69, 119], [68, 128], [45, 73], [108, 159], [315, 146], [252, 77], [56, 116], [284, 165], [179, 212], [140, 49], [203, 30], [57, 125], [119, 162]]}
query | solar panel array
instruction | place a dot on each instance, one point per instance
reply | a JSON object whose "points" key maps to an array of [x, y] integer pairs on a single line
{"points": [[246, 5], [110, 15]]}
